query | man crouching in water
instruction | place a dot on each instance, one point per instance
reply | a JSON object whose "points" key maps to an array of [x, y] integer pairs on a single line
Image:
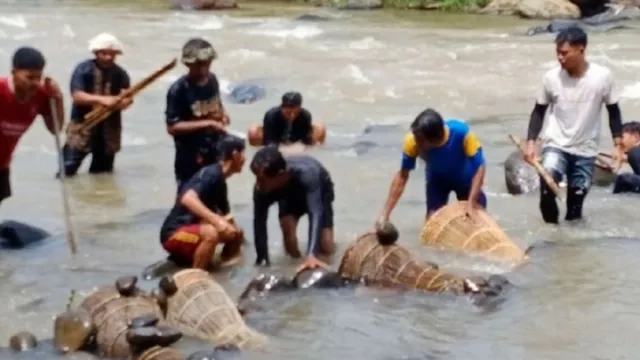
{"points": [[197, 222], [454, 159], [96, 82], [300, 185], [286, 124]]}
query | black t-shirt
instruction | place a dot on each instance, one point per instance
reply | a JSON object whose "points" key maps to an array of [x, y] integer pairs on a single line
{"points": [[211, 186], [633, 158], [277, 130], [310, 182], [187, 101], [83, 78]]}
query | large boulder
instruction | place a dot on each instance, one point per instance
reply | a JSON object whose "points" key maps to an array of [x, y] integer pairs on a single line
{"points": [[534, 9]]}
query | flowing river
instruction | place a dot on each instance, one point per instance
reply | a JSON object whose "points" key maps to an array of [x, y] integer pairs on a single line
{"points": [[356, 70]]}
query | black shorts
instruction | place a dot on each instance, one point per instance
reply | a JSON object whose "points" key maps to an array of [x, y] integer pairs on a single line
{"points": [[5, 185], [296, 206]]}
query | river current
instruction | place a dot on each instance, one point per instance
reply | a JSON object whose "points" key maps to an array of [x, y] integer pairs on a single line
{"points": [[576, 299]]}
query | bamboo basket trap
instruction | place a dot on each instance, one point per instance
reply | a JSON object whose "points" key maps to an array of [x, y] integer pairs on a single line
{"points": [[111, 313], [392, 265], [201, 308], [160, 353], [449, 227]]}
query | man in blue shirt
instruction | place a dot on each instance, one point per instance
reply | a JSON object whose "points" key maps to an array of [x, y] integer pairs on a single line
{"points": [[454, 162]]}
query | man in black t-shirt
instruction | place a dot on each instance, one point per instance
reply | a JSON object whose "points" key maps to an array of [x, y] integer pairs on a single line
{"points": [[300, 185], [286, 124], [195, 116], [200, 219], [630, 182]]}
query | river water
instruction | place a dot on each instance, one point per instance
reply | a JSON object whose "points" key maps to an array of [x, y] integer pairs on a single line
{"points": [[356, 70]]}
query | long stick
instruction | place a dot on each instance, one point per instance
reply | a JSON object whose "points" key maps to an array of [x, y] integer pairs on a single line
{"points": [[71, 239], [100, 113], [536, 164]]}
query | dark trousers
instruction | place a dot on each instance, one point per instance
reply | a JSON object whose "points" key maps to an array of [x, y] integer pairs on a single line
{"points": [[579, 171], [5, 185], [101, 162]]}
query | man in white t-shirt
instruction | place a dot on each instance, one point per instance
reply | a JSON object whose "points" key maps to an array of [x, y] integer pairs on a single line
{"points": [[574, 92]]}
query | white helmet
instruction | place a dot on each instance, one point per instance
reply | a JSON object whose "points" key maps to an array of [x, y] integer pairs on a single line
{"points": [[105, 41]]}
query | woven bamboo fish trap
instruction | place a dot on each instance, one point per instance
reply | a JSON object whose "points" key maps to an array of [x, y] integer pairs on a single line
{"points": [[393, 265], [111, 312], [160, 353], [201, 308], [451, 228]]}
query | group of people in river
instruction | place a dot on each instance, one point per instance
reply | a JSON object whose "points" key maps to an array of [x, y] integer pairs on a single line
{"points": [[206, 155]]}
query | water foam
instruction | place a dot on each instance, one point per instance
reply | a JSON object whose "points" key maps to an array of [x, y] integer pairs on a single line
{"points": [[300, 32], [17, 21], [631, 91]]}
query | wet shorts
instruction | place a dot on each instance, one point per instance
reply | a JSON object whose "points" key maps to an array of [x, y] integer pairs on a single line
{"points": [[438, 193], [183, 242], [5, 185], [296, 207]]}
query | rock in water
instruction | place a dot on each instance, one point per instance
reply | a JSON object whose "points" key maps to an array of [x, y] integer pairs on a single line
{"points": [[23, 341], [17, 235], [126, 285], [246, 93], [167, 285], [144, 321], [72, 329], [387, 234], [202, 355]]}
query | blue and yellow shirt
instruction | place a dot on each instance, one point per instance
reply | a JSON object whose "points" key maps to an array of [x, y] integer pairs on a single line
{"points": [[456, 160]]}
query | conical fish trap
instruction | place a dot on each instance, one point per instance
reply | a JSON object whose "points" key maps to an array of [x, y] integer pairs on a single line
{"points": [[160, 353], [450, 227], [111, 313], [393, 265], [201, 308]]}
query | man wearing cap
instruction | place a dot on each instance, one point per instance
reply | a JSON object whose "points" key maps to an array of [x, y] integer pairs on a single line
{"points": [[23, 96], [286, 124], [96, 82], [195, 116]]}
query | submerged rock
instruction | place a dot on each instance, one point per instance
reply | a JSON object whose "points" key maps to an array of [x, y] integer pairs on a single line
{"points": [[204, 4]]}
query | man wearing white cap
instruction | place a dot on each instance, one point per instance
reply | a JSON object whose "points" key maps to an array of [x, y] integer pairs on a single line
{"points": [[96, 82]]}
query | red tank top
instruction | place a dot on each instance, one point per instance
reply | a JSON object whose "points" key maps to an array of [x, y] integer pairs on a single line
{"points": [[17, 117]]}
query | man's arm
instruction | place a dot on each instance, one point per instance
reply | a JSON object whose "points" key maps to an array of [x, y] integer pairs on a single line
{"points": [[270, 129], [610, 99], [175, 124], [78, 85], [473, 150], [261, 204], [196, 186], [536, 119], [409, 157]]}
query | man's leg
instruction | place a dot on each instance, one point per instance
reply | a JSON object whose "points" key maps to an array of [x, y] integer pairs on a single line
{"points": [[255, 135], [327, 240], [5, 185], [627, 182], [101, 162], [554, 161], [195, 242], [579, 178], [232, 248], [72, 159], [318, 133], [437, 193]]}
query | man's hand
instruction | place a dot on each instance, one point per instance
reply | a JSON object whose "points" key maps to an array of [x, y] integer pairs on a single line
{"points": [[108, 101], [530, 153], [617, 158], [470, 210], [52, 88], [125, 103], [311, 262], [226, 229], [215, 125], [383, 219]]}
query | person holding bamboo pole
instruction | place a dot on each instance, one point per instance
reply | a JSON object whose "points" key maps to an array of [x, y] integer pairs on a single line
{"points": [[23, 96], [96, 82], [575, 92], [195, 116]]}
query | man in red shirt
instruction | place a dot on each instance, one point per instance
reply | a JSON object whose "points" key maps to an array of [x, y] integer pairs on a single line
{"points": [[23, 96]]}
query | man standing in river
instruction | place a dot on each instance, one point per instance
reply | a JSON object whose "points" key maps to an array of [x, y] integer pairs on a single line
{"points": [[195, 116], [23, 96], [575, 92], [97, 82]]}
